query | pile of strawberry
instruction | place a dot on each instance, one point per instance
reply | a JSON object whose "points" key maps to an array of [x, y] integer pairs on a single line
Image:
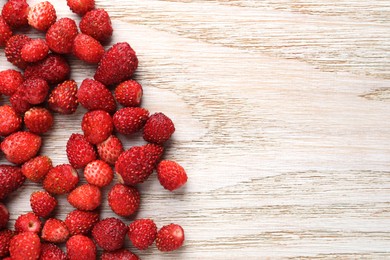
{"points": [[42, 87]]}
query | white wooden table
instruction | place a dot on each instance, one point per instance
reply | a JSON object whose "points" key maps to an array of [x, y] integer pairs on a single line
{"points": [[282, 122]]}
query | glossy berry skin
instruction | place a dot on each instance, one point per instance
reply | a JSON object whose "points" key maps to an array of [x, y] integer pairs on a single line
{"points": [[42, 203], [170, 238], [80, 247], [15, 13], [81, 222], [124, 200], [5, 32], [4, 216], [97, 126], [110, 233], [26, 245], [129, 93], [13, 50], [142, 233], [130, 120], [28, 222], [35, 90], [21, 146], [5, 239], [81, 7], [19, 102], [80, 152], [110, 149], [50, 251], [61, 35], [87, 49], [61, 179], [10, 120], [97, 23], [11, 178], [121, 254], [171, 175], [42, 15], [35, 50], [36, 169], [63, 98], [98, 173], [38, 120], [10, 80], [85, 197], [55, 231], [158, 129]]}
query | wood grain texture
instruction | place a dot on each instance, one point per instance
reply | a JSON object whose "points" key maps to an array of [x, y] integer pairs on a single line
{"points": [[281, 110]]}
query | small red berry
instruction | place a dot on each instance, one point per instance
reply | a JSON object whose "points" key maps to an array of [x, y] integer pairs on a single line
{"points": [[129, 93], [130, 120], [10, 121], [121, 254], [171, 175], [80, 247], [80, 152], [110, 149], [63, 98], [51, 252], [28, 222], [97, 126], [97, 23], [98, 173], [85, 197], [15, 13], [55, 231], [35, 50], [110, 233], [5, 239], [35, 90], [36, 169], [61, 179], [11, 178], [5, 32], [158, 129], [81, 7], [26, 245], [81, 222], [21, 146], [61, 35], [42, 203], [87, 49], [42, 15], [13, 50], [142, 233], [38, 120], [124, 200], [170, 238], [10, 80], [19, 102]]}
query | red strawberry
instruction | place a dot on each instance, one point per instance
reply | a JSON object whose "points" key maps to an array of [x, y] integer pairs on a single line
{"points": [[130, 120], [87, 49], [142, 233], [81, 222], [4, 216], [110, 149], [61, 35], [15, 13], [97, 23], [51, 252], [110, 233], [42, 203], [26, 245], [35, 90], [136, 164], [171, 175], [117, 64], [81, 7], [21, 146], [98, 173], [36, 169], [93, 95], [121, 254], [79, 151], [28, 222], [80, 247], [61, 179], [13, 50], [11, 178], [129, 93], [85, 197], [124, 200], [41, 16], [54, 69], [19, 102], [5, 32], [63, 98], [10, 80], [5, 239], [158, 129], [35, 50], [97, 126], [55, 231], [38, 120], [170, 237], [10, 121]]}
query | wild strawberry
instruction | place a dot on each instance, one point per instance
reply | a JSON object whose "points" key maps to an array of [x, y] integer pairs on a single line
{"points": [[50, 251], [81, 222], [63, 98], [81, 7], [170, 237], [171, 175], [98, 173], [97, 126], [61, 35], [42, 203], [15, 13], [19, 102], [129, 93], [87, 49], [61, 179], [158, 129], [93, 95], [35, 50], [38, 120], [85, 197], [121, 254], [35, 90], [28, 222], [5, 239], [117, 64], [5, 32], [142, 233], [36, 169], [10, 121], [130, 120], [13, 50], [110, 149], [21, 146], [55, 231], [97, 23], [79, 151], [26, 245], [124, 200], [110, 233], [54, 69], [10, 80], [136, 164], [4, 216], [80, 247], [11, 178], [41, 16]]}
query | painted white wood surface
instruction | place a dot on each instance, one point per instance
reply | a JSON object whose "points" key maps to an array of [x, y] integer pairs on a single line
{"points": [[282, 115]]}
